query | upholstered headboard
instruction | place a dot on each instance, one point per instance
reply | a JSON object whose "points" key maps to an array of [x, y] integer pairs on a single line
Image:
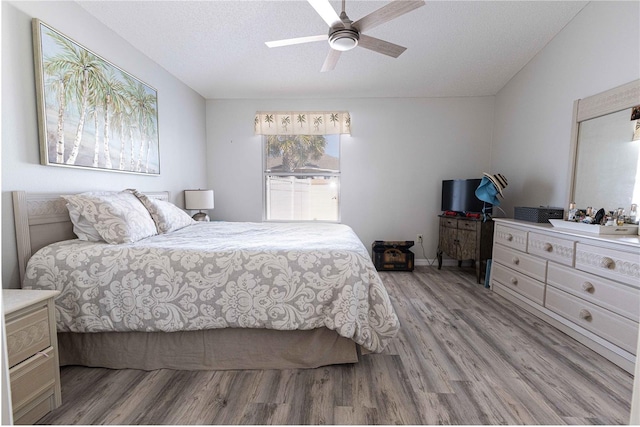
{"points": [[43, 218]]}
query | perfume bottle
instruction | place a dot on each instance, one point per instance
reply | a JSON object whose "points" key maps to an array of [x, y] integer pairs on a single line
{"points": [[571, 216], [633, 214], [620, 217]]}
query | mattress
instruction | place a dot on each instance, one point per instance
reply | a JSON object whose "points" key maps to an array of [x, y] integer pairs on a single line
{"points": [[281, 276]]}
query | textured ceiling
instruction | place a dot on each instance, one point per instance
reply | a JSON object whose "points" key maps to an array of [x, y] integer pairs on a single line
{"points": [[454, 48]]}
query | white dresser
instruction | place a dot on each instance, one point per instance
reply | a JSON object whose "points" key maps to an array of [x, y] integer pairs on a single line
{"points": [[32, 351], [586, 285]]}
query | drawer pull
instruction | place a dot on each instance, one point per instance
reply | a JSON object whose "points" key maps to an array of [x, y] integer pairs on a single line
{"points": [[608, 263], [547, 247], [514, 281], [588, 287], [516, 260], [584, 314], [42, 353], [509, 237]]}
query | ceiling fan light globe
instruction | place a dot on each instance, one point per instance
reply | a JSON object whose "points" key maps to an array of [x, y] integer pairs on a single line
{"points": [[343, 44], [343, 39]]}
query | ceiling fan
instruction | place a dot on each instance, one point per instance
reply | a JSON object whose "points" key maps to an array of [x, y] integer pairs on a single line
{"points": [[345, 34]]}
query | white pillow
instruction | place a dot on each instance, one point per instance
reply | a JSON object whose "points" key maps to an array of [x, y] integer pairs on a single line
{"points": [[117, 217], [167, 216], [82, 227]]}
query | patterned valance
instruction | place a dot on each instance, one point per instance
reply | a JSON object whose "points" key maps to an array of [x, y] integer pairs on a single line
{"points": [[302, 123]]}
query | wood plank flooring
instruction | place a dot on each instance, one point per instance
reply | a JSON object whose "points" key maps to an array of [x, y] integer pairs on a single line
{"points": [[464, 355]]}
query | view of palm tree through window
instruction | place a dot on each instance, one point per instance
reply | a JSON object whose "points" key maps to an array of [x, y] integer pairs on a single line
{"points": [[302, 177]]}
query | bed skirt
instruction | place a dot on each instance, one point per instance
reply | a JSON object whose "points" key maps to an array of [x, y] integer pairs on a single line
{"points": [[217, 349]]}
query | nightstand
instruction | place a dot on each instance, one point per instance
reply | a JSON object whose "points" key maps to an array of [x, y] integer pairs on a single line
{"points": [[32, 350], [465, 238]]}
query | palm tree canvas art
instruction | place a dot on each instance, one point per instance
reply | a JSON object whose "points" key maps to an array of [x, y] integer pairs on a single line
{"points": [[91, 113]]}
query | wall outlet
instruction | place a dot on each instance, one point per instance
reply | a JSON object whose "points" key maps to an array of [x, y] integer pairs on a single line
{"points": [[419, 238]]}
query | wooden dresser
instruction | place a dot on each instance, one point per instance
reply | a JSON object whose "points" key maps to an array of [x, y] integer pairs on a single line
{"points": [[464, 238], [586, 285], [32, 350]]}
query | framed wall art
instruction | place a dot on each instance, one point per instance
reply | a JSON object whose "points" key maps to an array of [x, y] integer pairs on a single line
{"points": [[92, 114]]}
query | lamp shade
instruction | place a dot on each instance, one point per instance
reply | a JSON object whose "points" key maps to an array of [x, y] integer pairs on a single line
{"points": [[198, 199]]}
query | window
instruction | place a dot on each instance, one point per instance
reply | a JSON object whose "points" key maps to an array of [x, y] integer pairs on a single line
{"points": [[301, 177]]}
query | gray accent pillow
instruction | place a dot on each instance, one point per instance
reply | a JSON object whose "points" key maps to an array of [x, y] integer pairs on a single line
{"points": [[167, 216], [117, 217]]}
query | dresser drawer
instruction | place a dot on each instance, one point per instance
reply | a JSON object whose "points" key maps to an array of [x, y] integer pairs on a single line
{"points": [[518, 282], [449, 222], [620, 299], [521, 262], [552, 248], [510, 237], [609, 263], [610, 326], [36, 409], [27, 335], [32, 377], [467, 225]]}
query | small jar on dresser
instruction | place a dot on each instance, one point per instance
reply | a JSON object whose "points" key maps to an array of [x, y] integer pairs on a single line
{"points": [[32, 352], [586, 285]]}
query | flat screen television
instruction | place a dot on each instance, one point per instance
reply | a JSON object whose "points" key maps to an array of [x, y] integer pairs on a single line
{"points": [[459, 195]]}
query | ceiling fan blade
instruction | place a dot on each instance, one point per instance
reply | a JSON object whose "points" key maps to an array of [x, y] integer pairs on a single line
{"points": [[387, 13], [331, 60], [380, 46], [326, 11], [297, 40]]}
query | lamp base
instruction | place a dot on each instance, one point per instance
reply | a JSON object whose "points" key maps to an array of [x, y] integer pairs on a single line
{"points": [[201, 216]]}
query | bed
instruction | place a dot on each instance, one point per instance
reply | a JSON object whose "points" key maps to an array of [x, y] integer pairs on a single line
{"points": [[213, 295]]}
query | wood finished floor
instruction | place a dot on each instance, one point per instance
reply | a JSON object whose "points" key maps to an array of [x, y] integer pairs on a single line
{"points": [[464, 355]]}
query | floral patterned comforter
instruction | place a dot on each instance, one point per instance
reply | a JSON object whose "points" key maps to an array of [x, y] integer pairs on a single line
{"points": [[217, 275]]}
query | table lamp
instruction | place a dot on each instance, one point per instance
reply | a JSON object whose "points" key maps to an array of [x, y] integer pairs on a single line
{"points": [[200, 200]]}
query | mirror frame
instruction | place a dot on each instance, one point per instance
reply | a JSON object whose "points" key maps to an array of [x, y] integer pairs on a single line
{"points": [[607, 102]]}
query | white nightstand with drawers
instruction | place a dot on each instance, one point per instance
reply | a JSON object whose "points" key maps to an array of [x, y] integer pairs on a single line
{"points": [[32, 350], [586, 285]]}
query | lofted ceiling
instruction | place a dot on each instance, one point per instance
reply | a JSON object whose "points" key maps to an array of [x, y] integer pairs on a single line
{"points": [[454, 48]]}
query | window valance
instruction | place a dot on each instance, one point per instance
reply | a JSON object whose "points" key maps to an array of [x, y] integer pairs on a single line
{"points": [[302, 123]]}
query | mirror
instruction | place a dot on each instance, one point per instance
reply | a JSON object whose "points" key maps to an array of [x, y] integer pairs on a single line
{"points": [[605, 169]]}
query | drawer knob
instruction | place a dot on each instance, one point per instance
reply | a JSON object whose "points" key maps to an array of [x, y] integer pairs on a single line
{"points": [[516, 260], [608, 263], [584, 314], [588, 287], [514, 281], [547, 247], [509, 237]]}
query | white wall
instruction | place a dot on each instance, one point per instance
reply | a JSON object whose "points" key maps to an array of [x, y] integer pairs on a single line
{"points": [[596, 51], [181, 118], [392, 165]]}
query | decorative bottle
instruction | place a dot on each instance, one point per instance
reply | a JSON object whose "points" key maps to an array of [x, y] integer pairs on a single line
{"points": [[571, 216], [633, 214]]}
